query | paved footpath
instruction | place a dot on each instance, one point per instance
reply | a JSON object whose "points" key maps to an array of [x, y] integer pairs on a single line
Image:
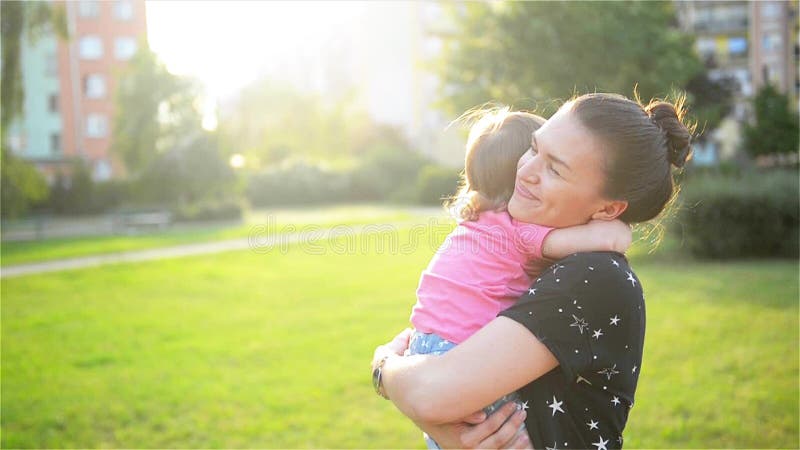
{"points": [[259, 244]]}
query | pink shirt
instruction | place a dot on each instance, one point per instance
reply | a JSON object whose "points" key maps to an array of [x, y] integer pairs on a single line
{"points": [[476, 273]]}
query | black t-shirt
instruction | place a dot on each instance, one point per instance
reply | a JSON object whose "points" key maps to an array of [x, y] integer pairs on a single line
{"points": [[588, 309]]}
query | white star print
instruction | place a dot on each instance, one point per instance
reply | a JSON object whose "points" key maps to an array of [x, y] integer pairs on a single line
{"points": [[551, 448], [614, 261], [614, 320], [532, 291], [615, 400], [597, 333], [609, 371], [525, 406], [580, 323], [580, 378], [631, 279], [634, 369], [592, 425], [556, 267], [601, 444], [556, 406]]}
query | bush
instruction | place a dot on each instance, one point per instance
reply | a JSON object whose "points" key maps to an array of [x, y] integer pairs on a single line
{"points": [[436, 183], [755, 215], [385, 171], [297, 183], [22, 186], [231, 209], [107, 195]]}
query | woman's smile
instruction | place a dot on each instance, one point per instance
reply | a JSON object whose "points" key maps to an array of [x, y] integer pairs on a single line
{"points": [[524, 192]]}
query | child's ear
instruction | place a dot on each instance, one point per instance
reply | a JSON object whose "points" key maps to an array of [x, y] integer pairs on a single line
{"points": [[611, 210]]}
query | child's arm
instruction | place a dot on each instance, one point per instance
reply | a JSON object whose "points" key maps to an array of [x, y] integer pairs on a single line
{"points": [[597, 235]]}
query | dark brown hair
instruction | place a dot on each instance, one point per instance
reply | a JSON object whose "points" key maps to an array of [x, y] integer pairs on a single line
{"points": [[642, 143], [498, 138]]}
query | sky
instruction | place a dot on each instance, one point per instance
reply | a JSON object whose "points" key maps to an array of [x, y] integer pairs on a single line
{"points": [[229, 44]]}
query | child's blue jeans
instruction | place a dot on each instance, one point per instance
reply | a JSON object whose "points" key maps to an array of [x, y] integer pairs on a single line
{"points": [[433, 344]]}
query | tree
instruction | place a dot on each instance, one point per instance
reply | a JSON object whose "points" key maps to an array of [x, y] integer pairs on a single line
{"points": [[18, 20], [271, 121], [155, 110], [710, 100], [22, 185], [527, 53], [775, 127]]}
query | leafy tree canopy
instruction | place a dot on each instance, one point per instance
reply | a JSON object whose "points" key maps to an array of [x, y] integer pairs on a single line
{"points": [[528, 53]]}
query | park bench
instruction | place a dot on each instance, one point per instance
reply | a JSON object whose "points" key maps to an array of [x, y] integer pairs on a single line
{"points": [[131, 221]]}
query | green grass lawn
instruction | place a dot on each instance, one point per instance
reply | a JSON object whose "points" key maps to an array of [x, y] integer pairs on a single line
{"points": [[274, 221], [272, 350]]}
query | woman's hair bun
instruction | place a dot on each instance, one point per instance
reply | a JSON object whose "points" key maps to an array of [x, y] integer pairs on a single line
{"points": [[669, 118]]}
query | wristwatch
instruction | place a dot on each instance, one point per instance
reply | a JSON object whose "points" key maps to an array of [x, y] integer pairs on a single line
{"points": [[376, 377]]}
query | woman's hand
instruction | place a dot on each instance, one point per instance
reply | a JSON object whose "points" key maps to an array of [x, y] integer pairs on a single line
{"points": [[478, 431], [396, 346]]}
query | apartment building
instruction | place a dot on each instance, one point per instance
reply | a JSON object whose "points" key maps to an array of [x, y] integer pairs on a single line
{"points": [[69, 84]]}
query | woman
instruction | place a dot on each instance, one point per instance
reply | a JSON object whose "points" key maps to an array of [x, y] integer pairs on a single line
{"points": [[573, 345]]}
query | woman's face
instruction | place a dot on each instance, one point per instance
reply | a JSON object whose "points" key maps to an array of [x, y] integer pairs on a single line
{"points": [[560, 178]]}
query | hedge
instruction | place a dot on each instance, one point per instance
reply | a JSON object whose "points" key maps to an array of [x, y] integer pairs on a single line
{"points": [[754, 215]]}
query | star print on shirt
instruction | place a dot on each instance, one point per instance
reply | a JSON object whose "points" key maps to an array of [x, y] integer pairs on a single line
{"points": [[524, 405], [615, 320], [592, 425], [631, 279], [580, 378], [615, 400], [601, 444], [532, 291], [614, 261], [556, 406], [634, 369], [597, 333], [580, 323], [609, 371]]}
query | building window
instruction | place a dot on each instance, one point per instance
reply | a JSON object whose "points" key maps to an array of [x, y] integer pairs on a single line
{"points": [[94, 85], [55, 143], [96, 126], [737, 46], [124, 47], [51, 65], [123, 10], [17, 142], [771, 10], [89, 9], [771, 42], [52, 103], [706, 47], [91, 47]]}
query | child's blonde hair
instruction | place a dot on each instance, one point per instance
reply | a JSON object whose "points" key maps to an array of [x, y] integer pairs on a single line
{"points": [[498, 138]]}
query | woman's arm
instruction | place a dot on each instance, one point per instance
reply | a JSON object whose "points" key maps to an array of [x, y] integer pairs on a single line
{"points": [[500, 358]]}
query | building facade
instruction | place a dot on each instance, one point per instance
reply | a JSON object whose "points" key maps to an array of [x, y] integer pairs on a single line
{"points": [[753, 42], [69, 87]]}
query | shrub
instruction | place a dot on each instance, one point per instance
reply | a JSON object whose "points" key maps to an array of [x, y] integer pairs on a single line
{"points": [[755, 215], [385, 170], [230, 209], [436, 183], [297, 183]]}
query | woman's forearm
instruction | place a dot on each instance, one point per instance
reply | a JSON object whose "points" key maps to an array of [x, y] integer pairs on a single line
{"points": [[500, 358]]}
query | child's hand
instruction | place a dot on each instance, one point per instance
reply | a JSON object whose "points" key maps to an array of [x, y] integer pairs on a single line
{"points": [[616, 234]]}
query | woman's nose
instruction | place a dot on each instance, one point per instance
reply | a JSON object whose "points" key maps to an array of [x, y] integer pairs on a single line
{"points": [[528, 171]]}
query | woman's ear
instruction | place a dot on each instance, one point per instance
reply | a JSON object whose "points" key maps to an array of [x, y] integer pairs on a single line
{"points": [[611, 210]]}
